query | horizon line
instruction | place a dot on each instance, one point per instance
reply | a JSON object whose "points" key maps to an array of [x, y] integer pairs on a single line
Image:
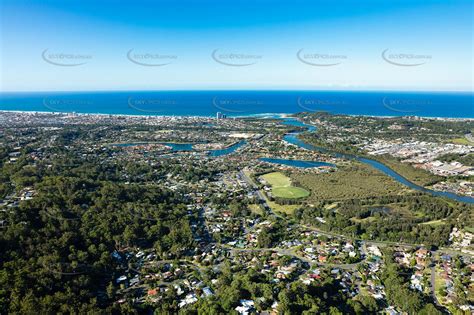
{"points": [[238, 90]]}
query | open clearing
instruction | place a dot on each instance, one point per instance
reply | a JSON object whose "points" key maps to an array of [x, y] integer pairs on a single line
{"points": [[255, 208], [434, 223], [281, 186], [288, 209], [462, 141]]}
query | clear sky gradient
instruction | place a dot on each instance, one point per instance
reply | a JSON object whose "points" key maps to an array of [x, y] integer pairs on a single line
{"points": [[61, 45]]}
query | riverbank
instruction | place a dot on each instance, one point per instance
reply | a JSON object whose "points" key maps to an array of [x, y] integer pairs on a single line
{"points": [[294, 139], [418, 176]]}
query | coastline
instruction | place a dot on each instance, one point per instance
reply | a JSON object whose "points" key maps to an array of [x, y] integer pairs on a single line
{"points": [[259, 115]]}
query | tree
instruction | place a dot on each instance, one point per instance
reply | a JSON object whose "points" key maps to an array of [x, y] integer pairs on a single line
{"points": [[369, 303], [429, 309]]}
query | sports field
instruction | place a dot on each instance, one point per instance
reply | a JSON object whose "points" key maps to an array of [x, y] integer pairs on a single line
{"points": [[281, 186]]}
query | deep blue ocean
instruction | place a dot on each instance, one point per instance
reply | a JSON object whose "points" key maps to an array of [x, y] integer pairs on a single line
{"points": [[245, 103]]}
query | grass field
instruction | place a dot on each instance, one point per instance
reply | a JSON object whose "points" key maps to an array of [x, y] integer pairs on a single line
{"points": [[434, 223], [255, 208], [462, 141], [277, 179], [288, 209], [282, 188]]}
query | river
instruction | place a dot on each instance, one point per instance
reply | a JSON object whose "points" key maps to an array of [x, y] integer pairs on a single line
{"points": [[293, 138], [177, 147]]}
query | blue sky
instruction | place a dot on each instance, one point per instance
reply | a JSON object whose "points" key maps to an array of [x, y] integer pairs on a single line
{"points": [[49, 45]]}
